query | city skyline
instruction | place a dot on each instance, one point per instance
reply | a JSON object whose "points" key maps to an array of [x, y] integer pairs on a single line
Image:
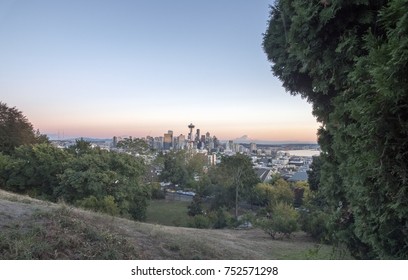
{"points": [[104, 68], [244, 139]]}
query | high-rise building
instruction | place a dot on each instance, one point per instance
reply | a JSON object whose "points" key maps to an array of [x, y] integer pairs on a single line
{"points": [[168, 140], [158, 143], [197, 138], [230, 145], [179, 142], [114, 141], [253, 148]]}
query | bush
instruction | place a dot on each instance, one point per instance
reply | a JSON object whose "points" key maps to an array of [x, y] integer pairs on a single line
{"points": [[106, 205], [195, 206], [267, 194], [282, 222], [221, 218], [157, 192], [315, 224], [200, 221]]}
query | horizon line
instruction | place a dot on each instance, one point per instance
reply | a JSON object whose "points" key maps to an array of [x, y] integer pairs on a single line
{"points": [[236, 140]]}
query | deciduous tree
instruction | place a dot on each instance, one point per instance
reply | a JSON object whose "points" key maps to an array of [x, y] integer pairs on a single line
{"points": [[236, 173]]}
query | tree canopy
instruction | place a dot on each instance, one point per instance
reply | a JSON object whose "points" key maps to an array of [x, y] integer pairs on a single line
{"points": [[135, 146], [236, 176], [349, 59], [16, 130], [88, 177]]}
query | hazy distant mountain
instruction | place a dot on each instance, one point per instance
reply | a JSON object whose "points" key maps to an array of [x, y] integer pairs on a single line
{"points": [[244, 139]]}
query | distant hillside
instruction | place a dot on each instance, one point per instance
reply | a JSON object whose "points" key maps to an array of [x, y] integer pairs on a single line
{"points": [[34, 229]]}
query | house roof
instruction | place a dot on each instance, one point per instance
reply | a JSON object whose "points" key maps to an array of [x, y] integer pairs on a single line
{"points": [[299, 176], [263, 173]]}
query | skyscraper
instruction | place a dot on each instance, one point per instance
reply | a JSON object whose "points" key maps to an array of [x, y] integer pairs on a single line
{"points": [[179, 142], [253, 148], [168, 140], [197, 138]]}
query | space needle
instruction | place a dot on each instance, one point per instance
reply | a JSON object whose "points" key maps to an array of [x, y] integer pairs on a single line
{"points": [[190, 135]]}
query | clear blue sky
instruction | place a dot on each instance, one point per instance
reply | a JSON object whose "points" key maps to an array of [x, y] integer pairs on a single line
{"points": [[102, 68]]}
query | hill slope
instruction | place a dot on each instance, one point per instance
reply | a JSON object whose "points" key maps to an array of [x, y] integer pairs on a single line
{"points": [[34, 229]]}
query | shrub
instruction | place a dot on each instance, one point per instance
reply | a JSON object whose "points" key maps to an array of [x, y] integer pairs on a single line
{"points": [[195, 206], [200, 221], [315, 224], [221, 218], [282, 222], [106, 205], [157, 192]]}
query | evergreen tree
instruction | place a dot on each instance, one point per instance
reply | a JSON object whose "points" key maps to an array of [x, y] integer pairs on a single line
{"points": [[349, 59], [15, 129]]}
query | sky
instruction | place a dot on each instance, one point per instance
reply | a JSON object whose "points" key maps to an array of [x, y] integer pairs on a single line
{"points": [[99, 68]]}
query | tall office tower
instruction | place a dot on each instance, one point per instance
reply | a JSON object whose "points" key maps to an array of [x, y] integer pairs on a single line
{"points": [[230, 145], [114, 141], [202, 138], [197, 138], [207, 137], [190, 134], [253, 148], [168, 140], [180, 142], [158, 143], [172, 139]]}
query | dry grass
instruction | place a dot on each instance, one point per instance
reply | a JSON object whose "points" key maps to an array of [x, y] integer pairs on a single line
{"points": [[33, 229]]}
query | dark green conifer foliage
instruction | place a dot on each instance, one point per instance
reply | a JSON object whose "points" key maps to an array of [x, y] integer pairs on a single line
{"points": [[16, 130], [350, 60]]}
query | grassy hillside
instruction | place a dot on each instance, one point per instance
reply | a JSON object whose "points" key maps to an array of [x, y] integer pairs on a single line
{"points": [[168, 213], [33, 229]]}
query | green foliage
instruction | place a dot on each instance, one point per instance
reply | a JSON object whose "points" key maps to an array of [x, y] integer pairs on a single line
{"points": [[105, 205], [105, 174], [16, 130], [180, 167], [235, 180], [349, 60], [200, 221], [135, 146], [4, 162], [96, 179], [156, 191], [222, 218], [81, 147], [281, 222], [196, 164], [300, 190], [195, 207], [267, 194], [34, 169], [315, 224], [221, 197], [314, 173], [175, 169]]}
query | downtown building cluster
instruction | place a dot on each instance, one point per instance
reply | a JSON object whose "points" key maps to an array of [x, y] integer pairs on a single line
{"points": [[194, 140], [267, 159]]}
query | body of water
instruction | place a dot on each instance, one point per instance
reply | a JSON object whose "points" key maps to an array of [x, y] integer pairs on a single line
{"points": [[303, 153]]}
